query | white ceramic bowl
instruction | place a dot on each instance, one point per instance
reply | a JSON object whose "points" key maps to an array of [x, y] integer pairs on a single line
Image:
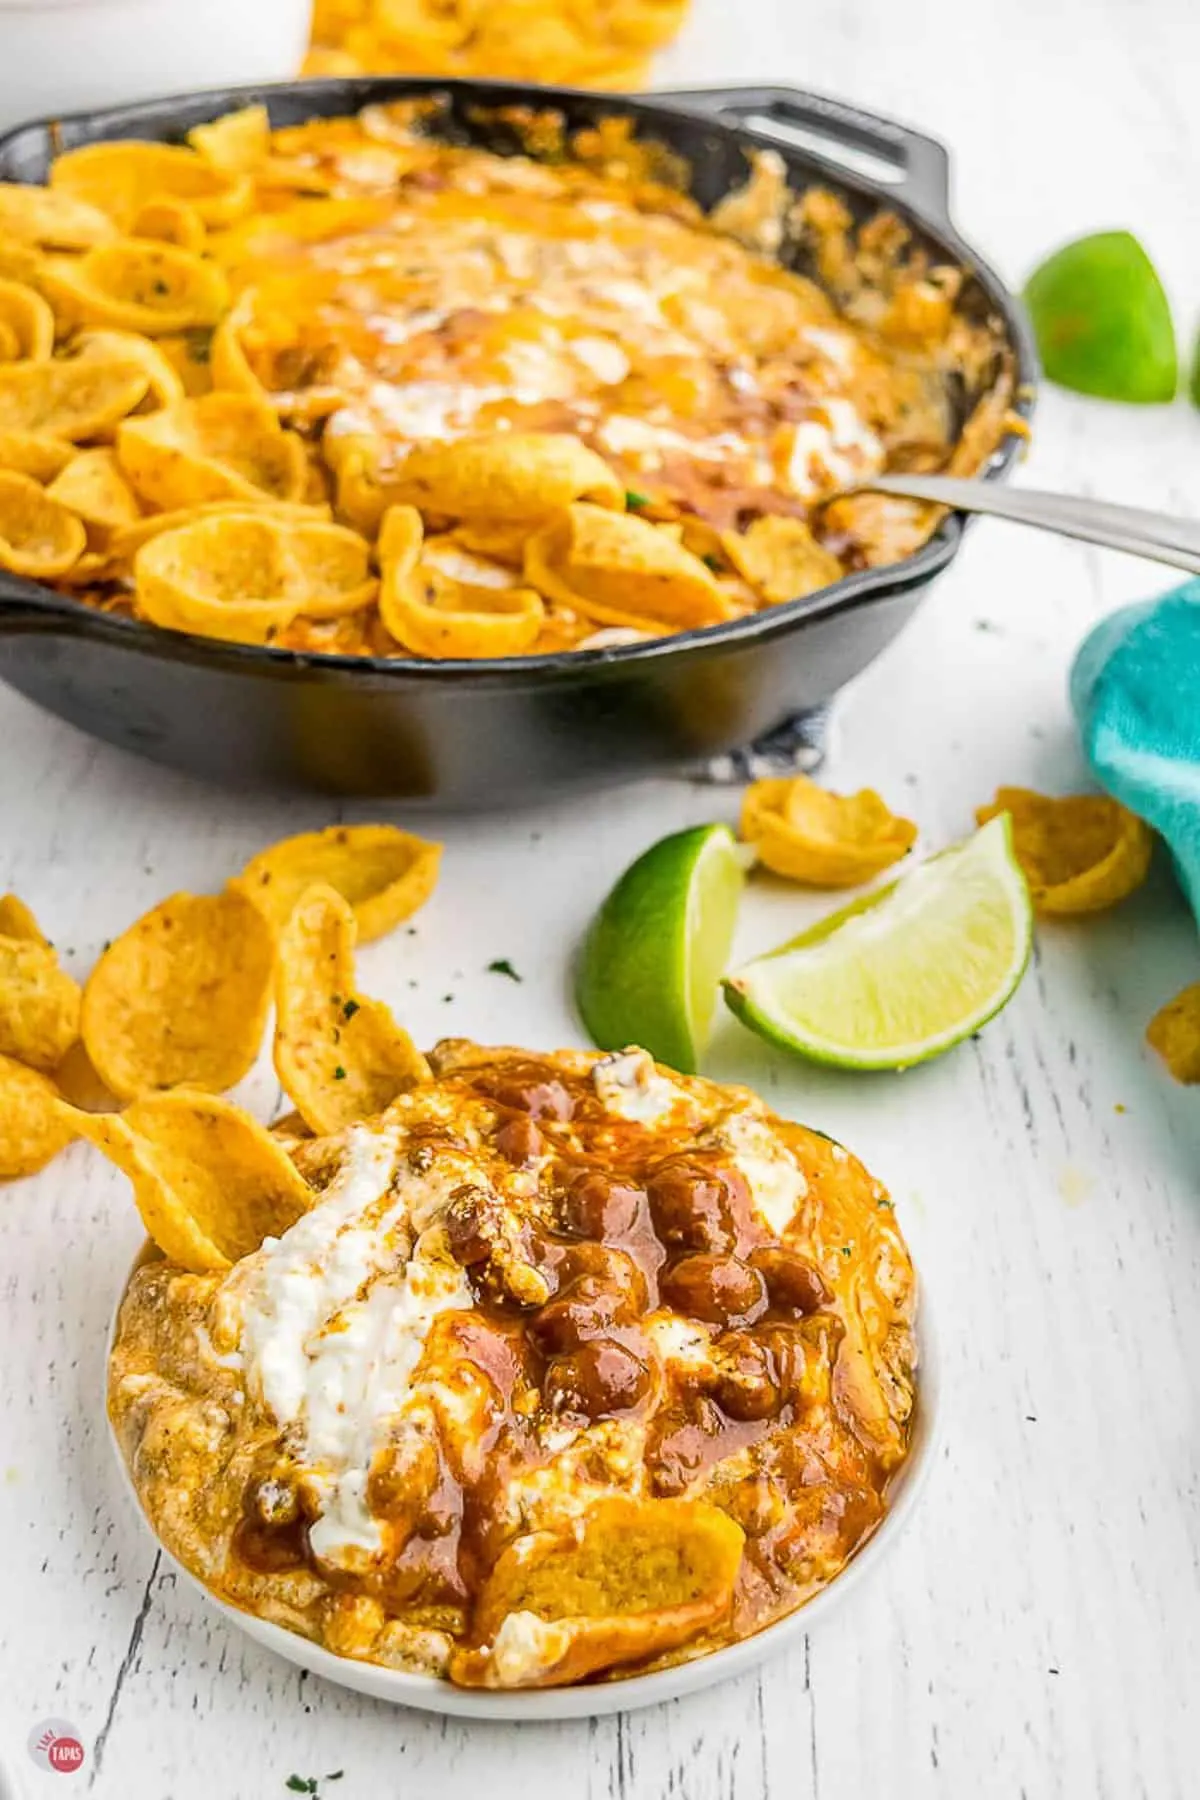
{"points": [[428, 1694], [59, 56]]}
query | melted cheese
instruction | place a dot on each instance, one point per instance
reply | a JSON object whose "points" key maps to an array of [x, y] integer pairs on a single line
{"points": [[525, 1646], [630, 1086], [334, 1318], [776, 1184]]}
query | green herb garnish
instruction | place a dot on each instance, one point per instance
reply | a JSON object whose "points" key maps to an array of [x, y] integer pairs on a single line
{"points": [[634, 500], [339, 1074], [502, 966], [350, 1008]]}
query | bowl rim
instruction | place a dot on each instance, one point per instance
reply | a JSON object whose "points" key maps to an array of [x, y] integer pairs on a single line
{"points": [[433, 1694], [780, 619]]}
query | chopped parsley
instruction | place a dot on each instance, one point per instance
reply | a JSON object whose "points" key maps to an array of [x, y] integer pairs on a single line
{"points": [[712, 562], [502, 966], [349, 1009], [634, 500], [339, 1074], [302, 1784], [198, 345]]}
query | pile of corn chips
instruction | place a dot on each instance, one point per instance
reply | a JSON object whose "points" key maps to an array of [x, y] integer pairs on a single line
{"points": [[582, 43], [140, 450], [174, 1013]]}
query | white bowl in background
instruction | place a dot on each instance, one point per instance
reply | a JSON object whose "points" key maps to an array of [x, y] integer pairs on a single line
{"points": [[589, 1700], [61, 56]]}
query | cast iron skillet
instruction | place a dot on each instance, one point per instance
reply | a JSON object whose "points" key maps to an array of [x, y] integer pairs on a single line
{"points": [[471, 734]]}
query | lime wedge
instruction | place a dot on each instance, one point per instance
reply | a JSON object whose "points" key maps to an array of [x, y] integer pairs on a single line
{"points": [[905, 972], [1194, 382], [651, 963], [1102, 321]]}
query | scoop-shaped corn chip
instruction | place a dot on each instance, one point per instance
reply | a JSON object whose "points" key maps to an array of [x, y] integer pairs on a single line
{"points": [[20, 262], [39, 1003], [821, 839], [237, 143], [781, 559], [231, 368], [189, 354], [73, 398], [218, 447], [1174, 1032], [34, 453], [340, 1056], [210, 1182], [28, 319], [386, 874], [93, 487], [17, 921], [34, 1125], [39, 538], [136, 284], [164, 385], [499, 542], [170, 222], [181, 997], [229, 577], [38, 215], [626, 1580], [362, 494], [120, 177], [622, 570], [333, 568], [129, 541], [1080, 854], [511, 475], [434, 615]]}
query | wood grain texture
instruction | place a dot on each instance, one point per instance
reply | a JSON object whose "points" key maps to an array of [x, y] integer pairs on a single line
{"points": [[1037, 1633]]}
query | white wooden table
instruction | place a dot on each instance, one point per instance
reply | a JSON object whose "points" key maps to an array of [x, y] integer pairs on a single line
{"points": [[1038, 1632]]}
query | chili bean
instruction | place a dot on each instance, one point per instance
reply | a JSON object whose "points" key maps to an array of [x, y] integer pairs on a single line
{"points": [[746, 1385], [596, 1380], [719, 1289], [701, 1206], [465, 1220], [792, 1281], [519, 1140], [586, 1308], [597, 1206]]}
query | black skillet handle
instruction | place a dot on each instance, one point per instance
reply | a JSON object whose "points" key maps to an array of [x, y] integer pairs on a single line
{"points": [[837, 137]]}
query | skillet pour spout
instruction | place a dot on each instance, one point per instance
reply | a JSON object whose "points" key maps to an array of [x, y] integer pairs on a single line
{"points": [[471, 734]]}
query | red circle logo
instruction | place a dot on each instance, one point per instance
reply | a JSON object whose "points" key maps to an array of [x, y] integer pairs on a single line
{"points": [[66, 1755], [55, 1744]]}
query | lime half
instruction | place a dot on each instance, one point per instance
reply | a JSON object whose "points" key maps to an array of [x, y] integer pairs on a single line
{"points": [[905, 972], [652, 961], [1102, 321]]}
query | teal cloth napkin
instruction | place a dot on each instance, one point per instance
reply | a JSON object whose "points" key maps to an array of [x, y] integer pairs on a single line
{"points": [[1135, 688]]}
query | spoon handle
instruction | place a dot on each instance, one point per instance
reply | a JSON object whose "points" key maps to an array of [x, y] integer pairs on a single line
{"points": [[1158, 536]]}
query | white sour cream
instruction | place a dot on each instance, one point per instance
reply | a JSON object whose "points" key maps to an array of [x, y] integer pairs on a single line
{"points": [[630, 1086], [334, 1317]]}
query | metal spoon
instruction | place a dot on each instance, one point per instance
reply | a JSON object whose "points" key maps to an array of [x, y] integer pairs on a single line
{"points": [[1158, 536]]}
